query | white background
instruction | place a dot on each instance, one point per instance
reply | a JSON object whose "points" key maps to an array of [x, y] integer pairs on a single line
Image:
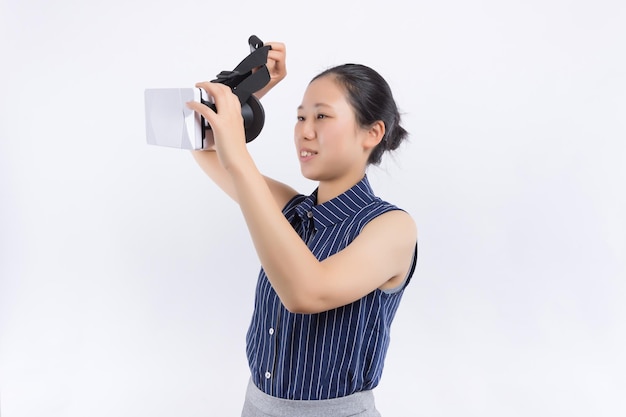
{"points": [[127, 277]]}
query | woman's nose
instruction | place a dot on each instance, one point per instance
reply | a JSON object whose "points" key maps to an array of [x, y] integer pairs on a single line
{"points": [[305, 130]]}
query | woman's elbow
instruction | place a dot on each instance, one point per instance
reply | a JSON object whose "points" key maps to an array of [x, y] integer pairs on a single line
{"points": [[303, 303]]}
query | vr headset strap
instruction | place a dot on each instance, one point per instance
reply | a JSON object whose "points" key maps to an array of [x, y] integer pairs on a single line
{"points": [[242, 80]]}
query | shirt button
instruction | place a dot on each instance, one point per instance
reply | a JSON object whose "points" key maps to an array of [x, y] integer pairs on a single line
{"points": [[271, 330], [309, 214], [268, 375]]}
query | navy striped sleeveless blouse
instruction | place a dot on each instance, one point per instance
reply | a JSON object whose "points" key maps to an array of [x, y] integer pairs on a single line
{"points": [[334, 353]]}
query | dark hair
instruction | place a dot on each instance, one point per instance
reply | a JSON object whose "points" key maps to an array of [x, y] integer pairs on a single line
{"points": [[372, 100]]}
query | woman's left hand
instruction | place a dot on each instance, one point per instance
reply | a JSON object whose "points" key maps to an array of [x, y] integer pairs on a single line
{"points": [[276, 66], [227, 123]]}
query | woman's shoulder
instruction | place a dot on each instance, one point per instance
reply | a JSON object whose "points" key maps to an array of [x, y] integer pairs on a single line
{"points": [[394, 221], [379, 207]]}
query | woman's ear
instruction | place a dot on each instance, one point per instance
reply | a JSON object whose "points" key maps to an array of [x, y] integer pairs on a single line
{"points": [[375, 134]]}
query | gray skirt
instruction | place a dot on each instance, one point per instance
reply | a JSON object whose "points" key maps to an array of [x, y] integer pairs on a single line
{"points": [[259, 404]]}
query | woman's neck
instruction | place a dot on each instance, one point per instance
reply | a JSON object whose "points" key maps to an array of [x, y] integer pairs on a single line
{"points": [[327, 190]]}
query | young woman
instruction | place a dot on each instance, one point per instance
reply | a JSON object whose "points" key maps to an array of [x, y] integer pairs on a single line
{"points": [[334, 263]]}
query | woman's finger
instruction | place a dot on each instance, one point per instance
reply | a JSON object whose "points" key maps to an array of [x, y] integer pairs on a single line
{"points": [[276, 46], [216, 90], [200, 108], [221, 95]]}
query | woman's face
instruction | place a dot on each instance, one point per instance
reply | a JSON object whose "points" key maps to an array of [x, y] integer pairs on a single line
{"points": [[327, 137]]}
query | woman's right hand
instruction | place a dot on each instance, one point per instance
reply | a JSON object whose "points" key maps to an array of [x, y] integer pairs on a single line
{"points": [[226, 122], [276, 65]]}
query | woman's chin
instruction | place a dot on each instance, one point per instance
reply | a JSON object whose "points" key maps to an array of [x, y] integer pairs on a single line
{"points": [[309, 174]]}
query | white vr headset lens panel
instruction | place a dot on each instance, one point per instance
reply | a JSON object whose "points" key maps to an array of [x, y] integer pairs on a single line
{"points": [[169, 122]]}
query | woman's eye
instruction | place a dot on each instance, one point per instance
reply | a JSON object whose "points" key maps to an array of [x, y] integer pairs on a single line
{"points": [[318, 116]]}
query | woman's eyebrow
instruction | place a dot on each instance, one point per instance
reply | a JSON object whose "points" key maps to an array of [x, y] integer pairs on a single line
{"points": [[316, 105]]}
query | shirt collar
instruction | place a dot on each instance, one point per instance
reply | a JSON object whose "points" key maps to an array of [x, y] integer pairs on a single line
{"points": [[337, 209]]}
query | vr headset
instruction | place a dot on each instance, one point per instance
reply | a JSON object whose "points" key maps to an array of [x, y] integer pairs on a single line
{"points": [[170, 123]]}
